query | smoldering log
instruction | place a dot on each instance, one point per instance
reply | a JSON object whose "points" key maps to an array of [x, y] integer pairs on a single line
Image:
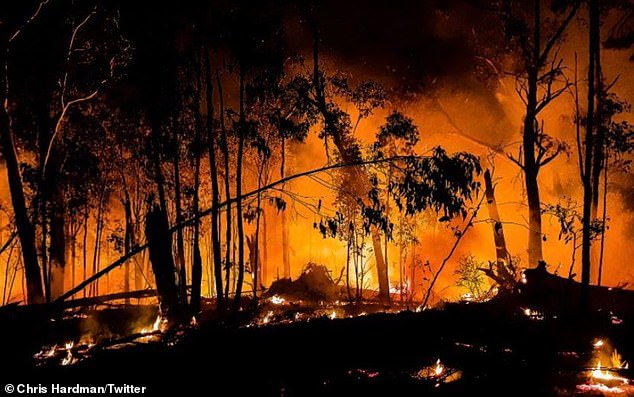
{"points": [[558, 294]]}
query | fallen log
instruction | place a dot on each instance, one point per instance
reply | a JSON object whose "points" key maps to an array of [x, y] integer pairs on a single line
{"points": [[97, 300]]}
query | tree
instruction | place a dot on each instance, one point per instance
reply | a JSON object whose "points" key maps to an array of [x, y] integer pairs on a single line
{"points": [[539, 81]]}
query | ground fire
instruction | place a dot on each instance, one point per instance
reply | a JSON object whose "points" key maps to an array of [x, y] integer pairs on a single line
{"points": [[312, 197]]}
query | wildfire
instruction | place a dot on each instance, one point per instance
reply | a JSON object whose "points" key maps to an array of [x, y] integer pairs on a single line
{"points": [[533, 314], [277, 300], [606, 378], [69, 354], [268, 317], [439, 373], [439, 368], [333, 315]]}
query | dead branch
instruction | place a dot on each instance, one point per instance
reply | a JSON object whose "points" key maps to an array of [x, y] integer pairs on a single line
{"points": [[459, 237]]}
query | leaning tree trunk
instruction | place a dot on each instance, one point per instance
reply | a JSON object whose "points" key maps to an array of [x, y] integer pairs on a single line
{"points": [[26, 231], [160, 248]]}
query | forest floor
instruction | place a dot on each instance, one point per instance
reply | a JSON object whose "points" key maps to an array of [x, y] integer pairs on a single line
{"points": [[499, 347]]}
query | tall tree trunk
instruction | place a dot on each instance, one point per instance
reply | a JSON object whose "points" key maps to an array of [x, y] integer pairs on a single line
{"points": [[257, 269], [197, 266], [85, 245], [224, 146], [240, 223], [180, 245], [26, 231], [286, 262], [215, 191], [598, 159], [529, 139], [265, 250], [97, 245], [128, 240], [160, 248], [587, 175], [604, 216], [197, 271], [73, 253]]}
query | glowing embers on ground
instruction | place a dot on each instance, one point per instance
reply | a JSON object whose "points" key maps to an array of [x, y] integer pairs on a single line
{"points": [[533, 314], [73, 351], [605, 376], [438, 373], [277, 300], [66, 354]]}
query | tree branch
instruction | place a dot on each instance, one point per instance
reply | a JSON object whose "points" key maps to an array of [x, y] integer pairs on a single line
{"points": [[60, 121], [557, 35]]}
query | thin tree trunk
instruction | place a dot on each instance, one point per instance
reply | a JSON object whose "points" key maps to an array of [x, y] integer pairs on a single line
{"points": [[215, 190], [240, 223], [286, 262], [73, 256], [197, 259], [604, 216], [348, 268], [265, 250], [598, 159], [180, 245], [530, 175], [529, 139], [97, 245], [587, 177], [129, 240], [224, 145], [85, 245]]}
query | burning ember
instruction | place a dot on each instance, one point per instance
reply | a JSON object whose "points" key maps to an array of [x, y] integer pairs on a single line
{"points": [[439, 374], [607, 378], [269, 316], [533, 314], [69, 353], [277, 300]]}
